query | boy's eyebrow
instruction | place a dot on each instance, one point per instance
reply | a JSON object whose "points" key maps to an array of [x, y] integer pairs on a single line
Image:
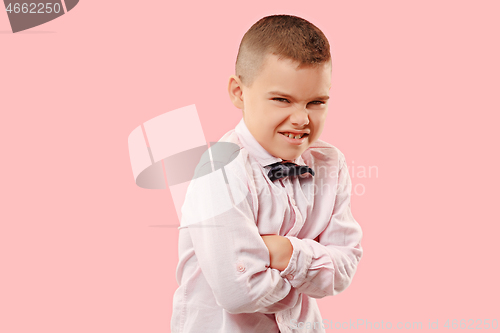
{"points": [[288, 96]]}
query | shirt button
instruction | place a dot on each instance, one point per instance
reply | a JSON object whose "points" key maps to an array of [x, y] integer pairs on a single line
{"points": [[289, 277], [240, 267]]}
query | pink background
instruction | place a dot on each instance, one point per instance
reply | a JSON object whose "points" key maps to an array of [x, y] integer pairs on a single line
{"points": [[415, 93]]}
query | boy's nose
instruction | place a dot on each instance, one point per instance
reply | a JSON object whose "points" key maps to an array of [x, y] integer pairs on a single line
{"points": [[300, 117]]}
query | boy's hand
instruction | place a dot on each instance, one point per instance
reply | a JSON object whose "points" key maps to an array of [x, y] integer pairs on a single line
{"points": [[280, 250]]}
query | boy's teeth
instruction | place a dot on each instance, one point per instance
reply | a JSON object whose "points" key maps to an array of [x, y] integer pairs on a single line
{"points": [[291, 136]]}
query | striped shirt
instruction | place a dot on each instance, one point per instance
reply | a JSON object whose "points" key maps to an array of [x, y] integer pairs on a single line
{"points": [[224, 275]]}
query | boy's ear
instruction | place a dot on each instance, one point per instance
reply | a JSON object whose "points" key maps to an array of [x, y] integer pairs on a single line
{"points": [[235, 91]]}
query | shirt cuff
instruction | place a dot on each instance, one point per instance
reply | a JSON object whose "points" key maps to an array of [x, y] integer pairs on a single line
{"points": [[300, 261]]}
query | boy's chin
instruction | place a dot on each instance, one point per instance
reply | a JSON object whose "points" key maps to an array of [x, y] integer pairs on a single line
{"points": [[288, 157]]}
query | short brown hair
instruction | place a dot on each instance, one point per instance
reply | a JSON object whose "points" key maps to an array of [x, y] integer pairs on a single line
{"points": [[286, 36]]}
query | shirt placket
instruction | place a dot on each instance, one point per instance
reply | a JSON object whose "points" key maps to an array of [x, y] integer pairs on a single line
{"points": [[283, 320], [299, 220]]}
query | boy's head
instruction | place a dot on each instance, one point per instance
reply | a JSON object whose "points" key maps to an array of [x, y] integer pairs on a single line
{"points": [[282, 83]]}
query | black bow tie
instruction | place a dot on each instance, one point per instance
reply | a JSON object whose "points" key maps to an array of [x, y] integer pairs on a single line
{"points": [[282, 169]]}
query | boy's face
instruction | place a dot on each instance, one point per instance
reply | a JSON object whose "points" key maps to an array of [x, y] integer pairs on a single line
{"points": [[284, 99]]}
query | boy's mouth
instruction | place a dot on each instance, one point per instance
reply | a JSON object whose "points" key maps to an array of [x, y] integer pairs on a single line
{"points": [[293, 136]]}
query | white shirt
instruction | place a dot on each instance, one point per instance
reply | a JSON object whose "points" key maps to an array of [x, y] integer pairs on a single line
{"points": [[224, 275]]}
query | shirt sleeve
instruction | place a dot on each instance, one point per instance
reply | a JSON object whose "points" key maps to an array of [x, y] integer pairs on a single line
{"points": [[229, 249], [327, 266]]}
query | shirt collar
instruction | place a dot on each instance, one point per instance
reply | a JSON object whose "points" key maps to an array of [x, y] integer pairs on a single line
{"points": [[258, 152]]}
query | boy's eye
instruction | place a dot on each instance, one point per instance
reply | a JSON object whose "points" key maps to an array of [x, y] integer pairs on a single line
{"points": [[287, 101]]}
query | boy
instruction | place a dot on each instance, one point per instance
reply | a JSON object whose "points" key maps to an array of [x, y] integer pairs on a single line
{"points": [[287, 236]]}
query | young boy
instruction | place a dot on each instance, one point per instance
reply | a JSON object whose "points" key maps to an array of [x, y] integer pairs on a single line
{"points": [[258, 241]]}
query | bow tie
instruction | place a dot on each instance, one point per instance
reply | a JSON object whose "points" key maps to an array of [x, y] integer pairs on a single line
{"points": [[282, 169]]}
